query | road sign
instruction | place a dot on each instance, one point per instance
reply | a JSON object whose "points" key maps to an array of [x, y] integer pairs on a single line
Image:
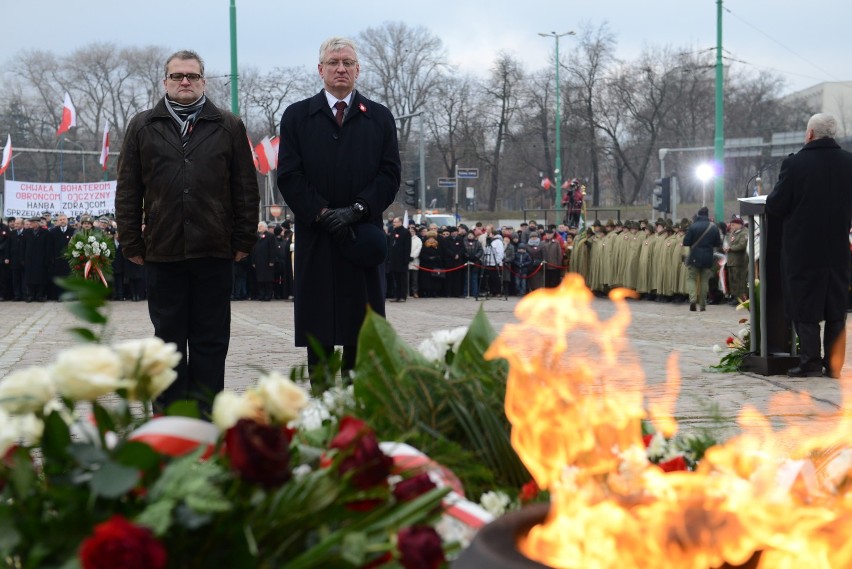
{"points": [[446, 182], [467, 172]]}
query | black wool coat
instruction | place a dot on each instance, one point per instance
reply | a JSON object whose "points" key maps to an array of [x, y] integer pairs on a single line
{"points": [[701, 248], [813, 199], [58, 244], [37, 256], [263, 256], [323, 165], [399, 250]]}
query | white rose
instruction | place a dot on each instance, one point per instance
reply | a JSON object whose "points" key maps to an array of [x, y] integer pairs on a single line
{"points": [[26, 390], [282, 398], [22, 429], [148, 359], [79, 245], [86, 372], [229, 407]]}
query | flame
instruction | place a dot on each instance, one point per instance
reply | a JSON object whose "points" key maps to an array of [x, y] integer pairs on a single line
{"points": [[575, 401]]}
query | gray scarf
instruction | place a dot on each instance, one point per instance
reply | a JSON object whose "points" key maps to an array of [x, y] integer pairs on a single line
{"points": [[185, 116]]}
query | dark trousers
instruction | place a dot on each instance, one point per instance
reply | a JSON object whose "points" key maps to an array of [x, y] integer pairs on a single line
{"points": [[18, 290], [400, 284], [834, 345], [189, 304]]}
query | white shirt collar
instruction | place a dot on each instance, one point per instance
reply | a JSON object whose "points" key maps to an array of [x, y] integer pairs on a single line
{"points": [[332, 100]]}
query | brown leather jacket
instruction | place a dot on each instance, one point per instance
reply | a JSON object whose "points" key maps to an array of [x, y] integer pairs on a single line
{"points": [[198, 201]]}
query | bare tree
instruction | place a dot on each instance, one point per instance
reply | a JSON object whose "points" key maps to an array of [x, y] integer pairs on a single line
{"points": [[500, 107], [401, 66]]}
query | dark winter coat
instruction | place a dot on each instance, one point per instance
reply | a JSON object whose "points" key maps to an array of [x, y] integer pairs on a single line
{"points": [[323, 165], [199, 201], [399, 250], [813, 199], [701, 249], [263, 256], [58, 244], [37, 256]]}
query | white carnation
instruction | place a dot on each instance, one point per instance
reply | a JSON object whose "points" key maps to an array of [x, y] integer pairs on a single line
{"points": [[86, 372], [92, 239], [26, 390], [718, 349], [495, 503], [657, 447], [431, 350], [313, 415], [106, 253], [79, 245], [282, 398]]}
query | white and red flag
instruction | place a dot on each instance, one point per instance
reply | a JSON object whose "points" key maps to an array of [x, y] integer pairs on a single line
{"points": [[253, 153], [105, 148], [546, 184], [7, 154], [267, 154], [69, 115]]}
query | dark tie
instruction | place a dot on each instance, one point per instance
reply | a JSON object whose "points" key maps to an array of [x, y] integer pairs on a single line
{"points": [[338, 113]]}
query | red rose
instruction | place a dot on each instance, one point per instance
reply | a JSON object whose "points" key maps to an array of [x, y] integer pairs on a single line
{"points": [[646, 440], [408, 490], [730, 340], [362, 454], [259, 453], [118, 543], [677, 463], [529, 491], [420, 547]]}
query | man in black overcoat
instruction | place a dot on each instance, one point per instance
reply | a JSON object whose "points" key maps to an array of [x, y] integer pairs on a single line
{"points": [[37, 261], [813, 198], [338, 165], [60, 236], [399, 254]]}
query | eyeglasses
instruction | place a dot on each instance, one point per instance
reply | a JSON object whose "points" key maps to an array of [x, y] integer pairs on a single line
{"points": [[178, 77], [347, 63]]}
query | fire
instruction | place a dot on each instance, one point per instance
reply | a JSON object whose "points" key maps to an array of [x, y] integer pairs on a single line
{"points": [[576, 412]]}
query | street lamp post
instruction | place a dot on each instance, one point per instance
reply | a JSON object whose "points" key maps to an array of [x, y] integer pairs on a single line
{"points": [[557, 172], [704, 172]]}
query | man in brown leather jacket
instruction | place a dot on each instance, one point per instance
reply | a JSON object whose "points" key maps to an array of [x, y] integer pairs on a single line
{"points": [[185, 175]]}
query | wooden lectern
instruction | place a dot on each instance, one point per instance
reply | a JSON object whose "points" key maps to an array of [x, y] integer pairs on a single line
{"points": [[773, 347]]}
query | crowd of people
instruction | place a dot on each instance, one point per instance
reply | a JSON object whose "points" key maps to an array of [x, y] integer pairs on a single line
{"points": [[650, 258], [476, 261], [32, 257]]}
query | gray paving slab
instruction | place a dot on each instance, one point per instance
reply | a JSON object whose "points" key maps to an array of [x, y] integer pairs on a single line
{"points": [[262, 337]]}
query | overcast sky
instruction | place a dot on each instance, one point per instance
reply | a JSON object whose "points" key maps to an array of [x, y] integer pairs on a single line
{"points": [[806, 43]]}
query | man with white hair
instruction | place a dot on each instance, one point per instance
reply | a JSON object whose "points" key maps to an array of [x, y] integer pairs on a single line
{"points": [[813, 198]]}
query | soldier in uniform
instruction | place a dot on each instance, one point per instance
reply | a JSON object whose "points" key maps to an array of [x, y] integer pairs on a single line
{"points": [[657, 253], [643, 273], [737, 264]]}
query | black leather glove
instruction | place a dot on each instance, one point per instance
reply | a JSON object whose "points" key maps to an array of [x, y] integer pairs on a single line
{"points": [[338, 222]]}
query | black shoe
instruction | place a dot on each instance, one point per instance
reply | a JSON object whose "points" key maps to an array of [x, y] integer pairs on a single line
{"points": [[702, 308], [692, 307], [801, 371]]}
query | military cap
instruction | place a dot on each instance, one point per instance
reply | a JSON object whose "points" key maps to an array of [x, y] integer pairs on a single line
{"points": [[737, 219], [596, 223], [660, 221], [86, 219], [610, 223]]}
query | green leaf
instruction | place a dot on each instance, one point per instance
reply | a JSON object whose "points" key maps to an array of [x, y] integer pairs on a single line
{"points": [[184, 408], [113, 480], [87, 455], [56, 437], [379, 347], [22, 475], [9, 536], [138, 455], [84, 334], [157, 516], [103, 418], [354, 548], [469, 362]]}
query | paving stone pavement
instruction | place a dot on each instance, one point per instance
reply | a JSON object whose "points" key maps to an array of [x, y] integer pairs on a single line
{"points": [[262, 336]]}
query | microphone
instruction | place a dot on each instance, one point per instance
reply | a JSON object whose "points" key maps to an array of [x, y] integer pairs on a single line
{"points": [[760, 171]]}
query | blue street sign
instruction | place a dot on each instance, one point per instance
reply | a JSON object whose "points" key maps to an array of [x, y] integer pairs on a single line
{"points": [[467, 172], [446, 182]]}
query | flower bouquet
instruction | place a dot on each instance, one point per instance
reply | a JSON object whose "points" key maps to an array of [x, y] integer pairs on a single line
{"points": [[90, 479], [90, 254]]}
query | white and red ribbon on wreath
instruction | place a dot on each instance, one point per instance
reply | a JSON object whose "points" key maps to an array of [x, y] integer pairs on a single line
{"points": [[406, 458], [88, 269], [176, 436]]}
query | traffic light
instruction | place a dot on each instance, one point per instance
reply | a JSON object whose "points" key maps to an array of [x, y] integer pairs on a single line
{"points": [[662, 196], [411, 194]]}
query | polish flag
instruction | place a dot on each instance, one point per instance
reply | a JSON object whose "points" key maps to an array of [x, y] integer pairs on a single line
{"points": [[546, 184], [267, 154], [69, 116], [253, 153], [7, 154], [105, 148]]}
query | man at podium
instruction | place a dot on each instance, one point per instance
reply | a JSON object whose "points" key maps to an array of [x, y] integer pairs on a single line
{"points": [[813, 198]]}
